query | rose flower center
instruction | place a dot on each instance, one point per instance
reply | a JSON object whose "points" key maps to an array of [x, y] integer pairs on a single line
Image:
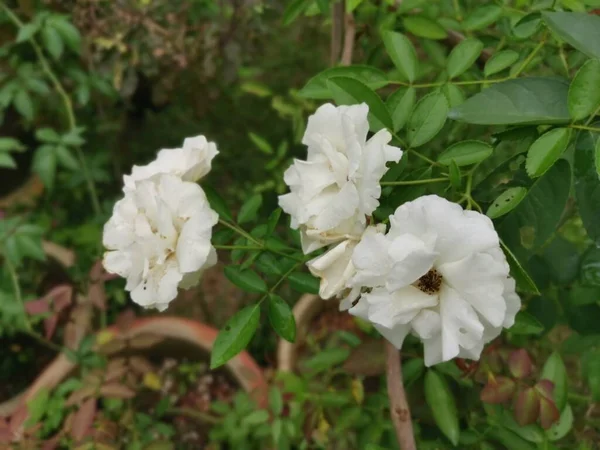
{"points": [[430, 283]]}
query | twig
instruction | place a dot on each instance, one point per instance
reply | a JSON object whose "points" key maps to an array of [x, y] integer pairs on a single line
{"points": [[349, 35], [399, 409], [337, 23]]}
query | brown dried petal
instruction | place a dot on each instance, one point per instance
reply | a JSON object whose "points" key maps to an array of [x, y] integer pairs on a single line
{"points": [[79, 395], [116, 390], [527, 406], [83, 419], [141, 365], [498, 390], [39, 306], [519, 363], [549, 413]]}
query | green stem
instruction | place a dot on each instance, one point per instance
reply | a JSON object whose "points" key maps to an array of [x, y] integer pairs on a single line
{"points": [[66, 100], [457, 83], [411, 182], [593, 116], [14, 278], [241, 232], [423, 157], [584, 127], [43, 341], [530, 57]]}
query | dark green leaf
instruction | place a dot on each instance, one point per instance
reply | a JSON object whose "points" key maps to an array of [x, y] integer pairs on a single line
{"points": [[482, 17], [326, 359], [52, 41], [590, 267], [261, 143], [294, 9], [427, 119], [247, 279], [317, 86], [465, 153], [500, 61], [424, 27], [526, 324], [24, 104], [587, 183], [402, 53], [584, 93], [281, 318], [442, 405], [268, 264], [27, 31], [44, 164], [454, 174], [273, 221], [65, 158], [453, 94], [249, 210], [400, 105], [546, 150], [527, 25], [217, 203], [7, 161], [10, 145], [235, 335], [522, 278], [304, 282], [520, 101], [563, 260], [463, 56], [69, 34], [554, 370], [581, 30], [506, 202], [347, 91], [47, 135]]}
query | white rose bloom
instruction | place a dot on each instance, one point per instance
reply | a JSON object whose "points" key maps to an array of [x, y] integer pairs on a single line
{"points": [[338, 184], [438, 273], [190, 163], [335, 267], [158, 238]]}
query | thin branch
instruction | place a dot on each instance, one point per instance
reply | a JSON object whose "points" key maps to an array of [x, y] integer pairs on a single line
{"points": [[337, 23], [399, 409], [349, 35]]}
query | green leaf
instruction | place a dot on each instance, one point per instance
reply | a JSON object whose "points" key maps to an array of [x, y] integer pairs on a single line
{"points": [[534, 100], [281, 318], [52, 41], [235, 335], [11, 145], [7, 161], [27, 31], [587, 182], [403, 54], [482, 17], [68, 32], [465, 153], [580, 30], [506, 202], [527, 25], [304, 282], [326, 359], [247, 279], [554, 370], [500, 61], [347, 91], [44, 164], [24, 104], [293, 10], [400, 104], [526, 324], [261, 143], [454, 174], [442, 405], [584, 93], [522, 278], [597, 157], [317, 86], [65, 158], [217, 203], [590, 267], [427, 119], [561, 428], [546, 150], [47, 135], [273, 221], [463, 56], [453, 94], [424, 27], [249, 210], [37, 406]]}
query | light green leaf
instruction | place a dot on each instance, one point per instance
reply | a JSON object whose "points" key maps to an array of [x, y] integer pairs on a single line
{"points": [[554, 370], [348, 91], [52, 41], [427, 119], [454, 174], [526, 324], [587, 182], [453, 94], [44, 164], [47, 135], [500, 61], [527, 25], [235, 335], [27, 31], [24, 104], [546, 150], [465, 153], [65, 158], [581, 30], [482, 17], [463, 56], [317, 86], [597, 157], [293, 10], [424, 27], [68, 32], [442, 405], [506, 202], [11, 145], [534, 100], [249, 210], [584, 93], [403, 54], [561, 428], [7, 161], [261, 143], [281, 318], [304, 282], [246, 279], [400, 104]]}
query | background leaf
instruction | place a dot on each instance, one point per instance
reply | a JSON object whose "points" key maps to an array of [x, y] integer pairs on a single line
{"points": [[235, 335], [442, 405], [281, 318], [587, 183], [463, 56], [317, 86], [427, 119], [581, 30], [546, 150], [402, 53], [465, 153], [584, 93]]}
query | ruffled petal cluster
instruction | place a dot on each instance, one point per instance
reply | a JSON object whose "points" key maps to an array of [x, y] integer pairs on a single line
{"points": [[159, 235]]}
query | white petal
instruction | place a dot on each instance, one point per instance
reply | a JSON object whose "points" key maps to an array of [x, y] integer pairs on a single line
{"points": [[513, 302], [412, 258], [371, 260], [433, 353], [337, 208], [427, 324], [395, 335], [159, 287], [334, 268], [399, 307], [118, 262]]}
